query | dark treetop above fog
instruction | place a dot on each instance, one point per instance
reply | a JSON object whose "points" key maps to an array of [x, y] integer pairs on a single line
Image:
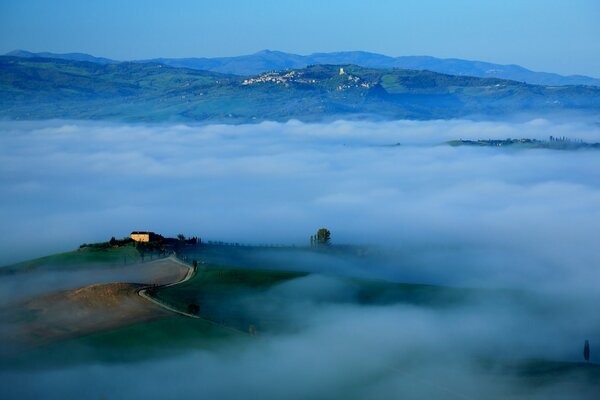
{"points": [[39, 88]]}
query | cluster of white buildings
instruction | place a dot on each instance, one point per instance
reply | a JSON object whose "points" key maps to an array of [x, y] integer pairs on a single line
{"points": [[350, 81], [353, 82], [278, 78]]}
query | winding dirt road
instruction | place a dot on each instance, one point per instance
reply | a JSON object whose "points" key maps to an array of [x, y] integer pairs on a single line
{"points": [[191, 272]]}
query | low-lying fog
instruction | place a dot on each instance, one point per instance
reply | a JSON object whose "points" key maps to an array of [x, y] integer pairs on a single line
{"points": [[458, 215], [503, 216]]}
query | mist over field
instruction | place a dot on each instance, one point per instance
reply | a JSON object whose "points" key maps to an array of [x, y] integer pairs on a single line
{"points": [[460, 216], [344, 352], [503, 217], [348, 351]]}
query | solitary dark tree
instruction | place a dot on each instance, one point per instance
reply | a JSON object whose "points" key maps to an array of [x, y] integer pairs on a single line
{"points": [[181, 237], [113, 241], [586, 350], [323, 237]]}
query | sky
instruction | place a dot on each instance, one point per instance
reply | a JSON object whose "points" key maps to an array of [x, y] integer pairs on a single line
{"points": [[544, 35]]}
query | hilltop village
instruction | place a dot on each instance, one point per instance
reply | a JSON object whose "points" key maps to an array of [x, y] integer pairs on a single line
{"points": [[347, 81]]}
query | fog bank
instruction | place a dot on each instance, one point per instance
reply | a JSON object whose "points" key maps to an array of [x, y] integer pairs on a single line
{"points": [[343, 351], [463, 216], [499, 214]]}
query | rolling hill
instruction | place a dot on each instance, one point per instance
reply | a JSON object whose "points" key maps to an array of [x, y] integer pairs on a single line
{"points": [[107, 324], [266, 60], [40, 88]]}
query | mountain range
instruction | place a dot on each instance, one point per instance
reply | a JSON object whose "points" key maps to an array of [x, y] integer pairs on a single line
{"points": [[266, 60], [42, 88]]}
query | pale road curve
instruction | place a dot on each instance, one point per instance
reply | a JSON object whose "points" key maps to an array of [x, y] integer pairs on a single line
{"points": [[188, 276], [191, 272]]}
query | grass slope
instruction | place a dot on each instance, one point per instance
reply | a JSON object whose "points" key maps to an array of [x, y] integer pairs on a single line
{"points": [[86, 257], [241, 297], [224, 295], [165, 337]]}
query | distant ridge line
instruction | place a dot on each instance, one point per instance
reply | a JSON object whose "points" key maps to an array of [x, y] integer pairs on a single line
{"points": [[268, 60]]}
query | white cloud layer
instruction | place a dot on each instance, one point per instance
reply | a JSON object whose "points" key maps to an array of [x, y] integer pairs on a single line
{"points": [[457, 215], [537, 211]]}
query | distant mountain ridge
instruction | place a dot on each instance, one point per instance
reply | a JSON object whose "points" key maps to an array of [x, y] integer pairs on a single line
{"points": [[48, 88], [266, 60], [65, 56]]}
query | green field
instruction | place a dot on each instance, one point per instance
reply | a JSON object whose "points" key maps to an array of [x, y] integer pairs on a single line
{"points": [[240, 297], [227, 295], [165, 337], [86, 257]]}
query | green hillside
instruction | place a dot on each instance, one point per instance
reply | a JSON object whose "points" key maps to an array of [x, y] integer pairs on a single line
{"points": [[98, 256], [238, 298], [242, 306], [38, 88], [268, 60]]}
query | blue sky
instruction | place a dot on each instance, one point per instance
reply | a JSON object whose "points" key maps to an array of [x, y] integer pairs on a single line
{"points": [[545, 35]]}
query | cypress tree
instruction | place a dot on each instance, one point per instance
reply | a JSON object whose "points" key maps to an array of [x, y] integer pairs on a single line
{"points": [[586, 351]]}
